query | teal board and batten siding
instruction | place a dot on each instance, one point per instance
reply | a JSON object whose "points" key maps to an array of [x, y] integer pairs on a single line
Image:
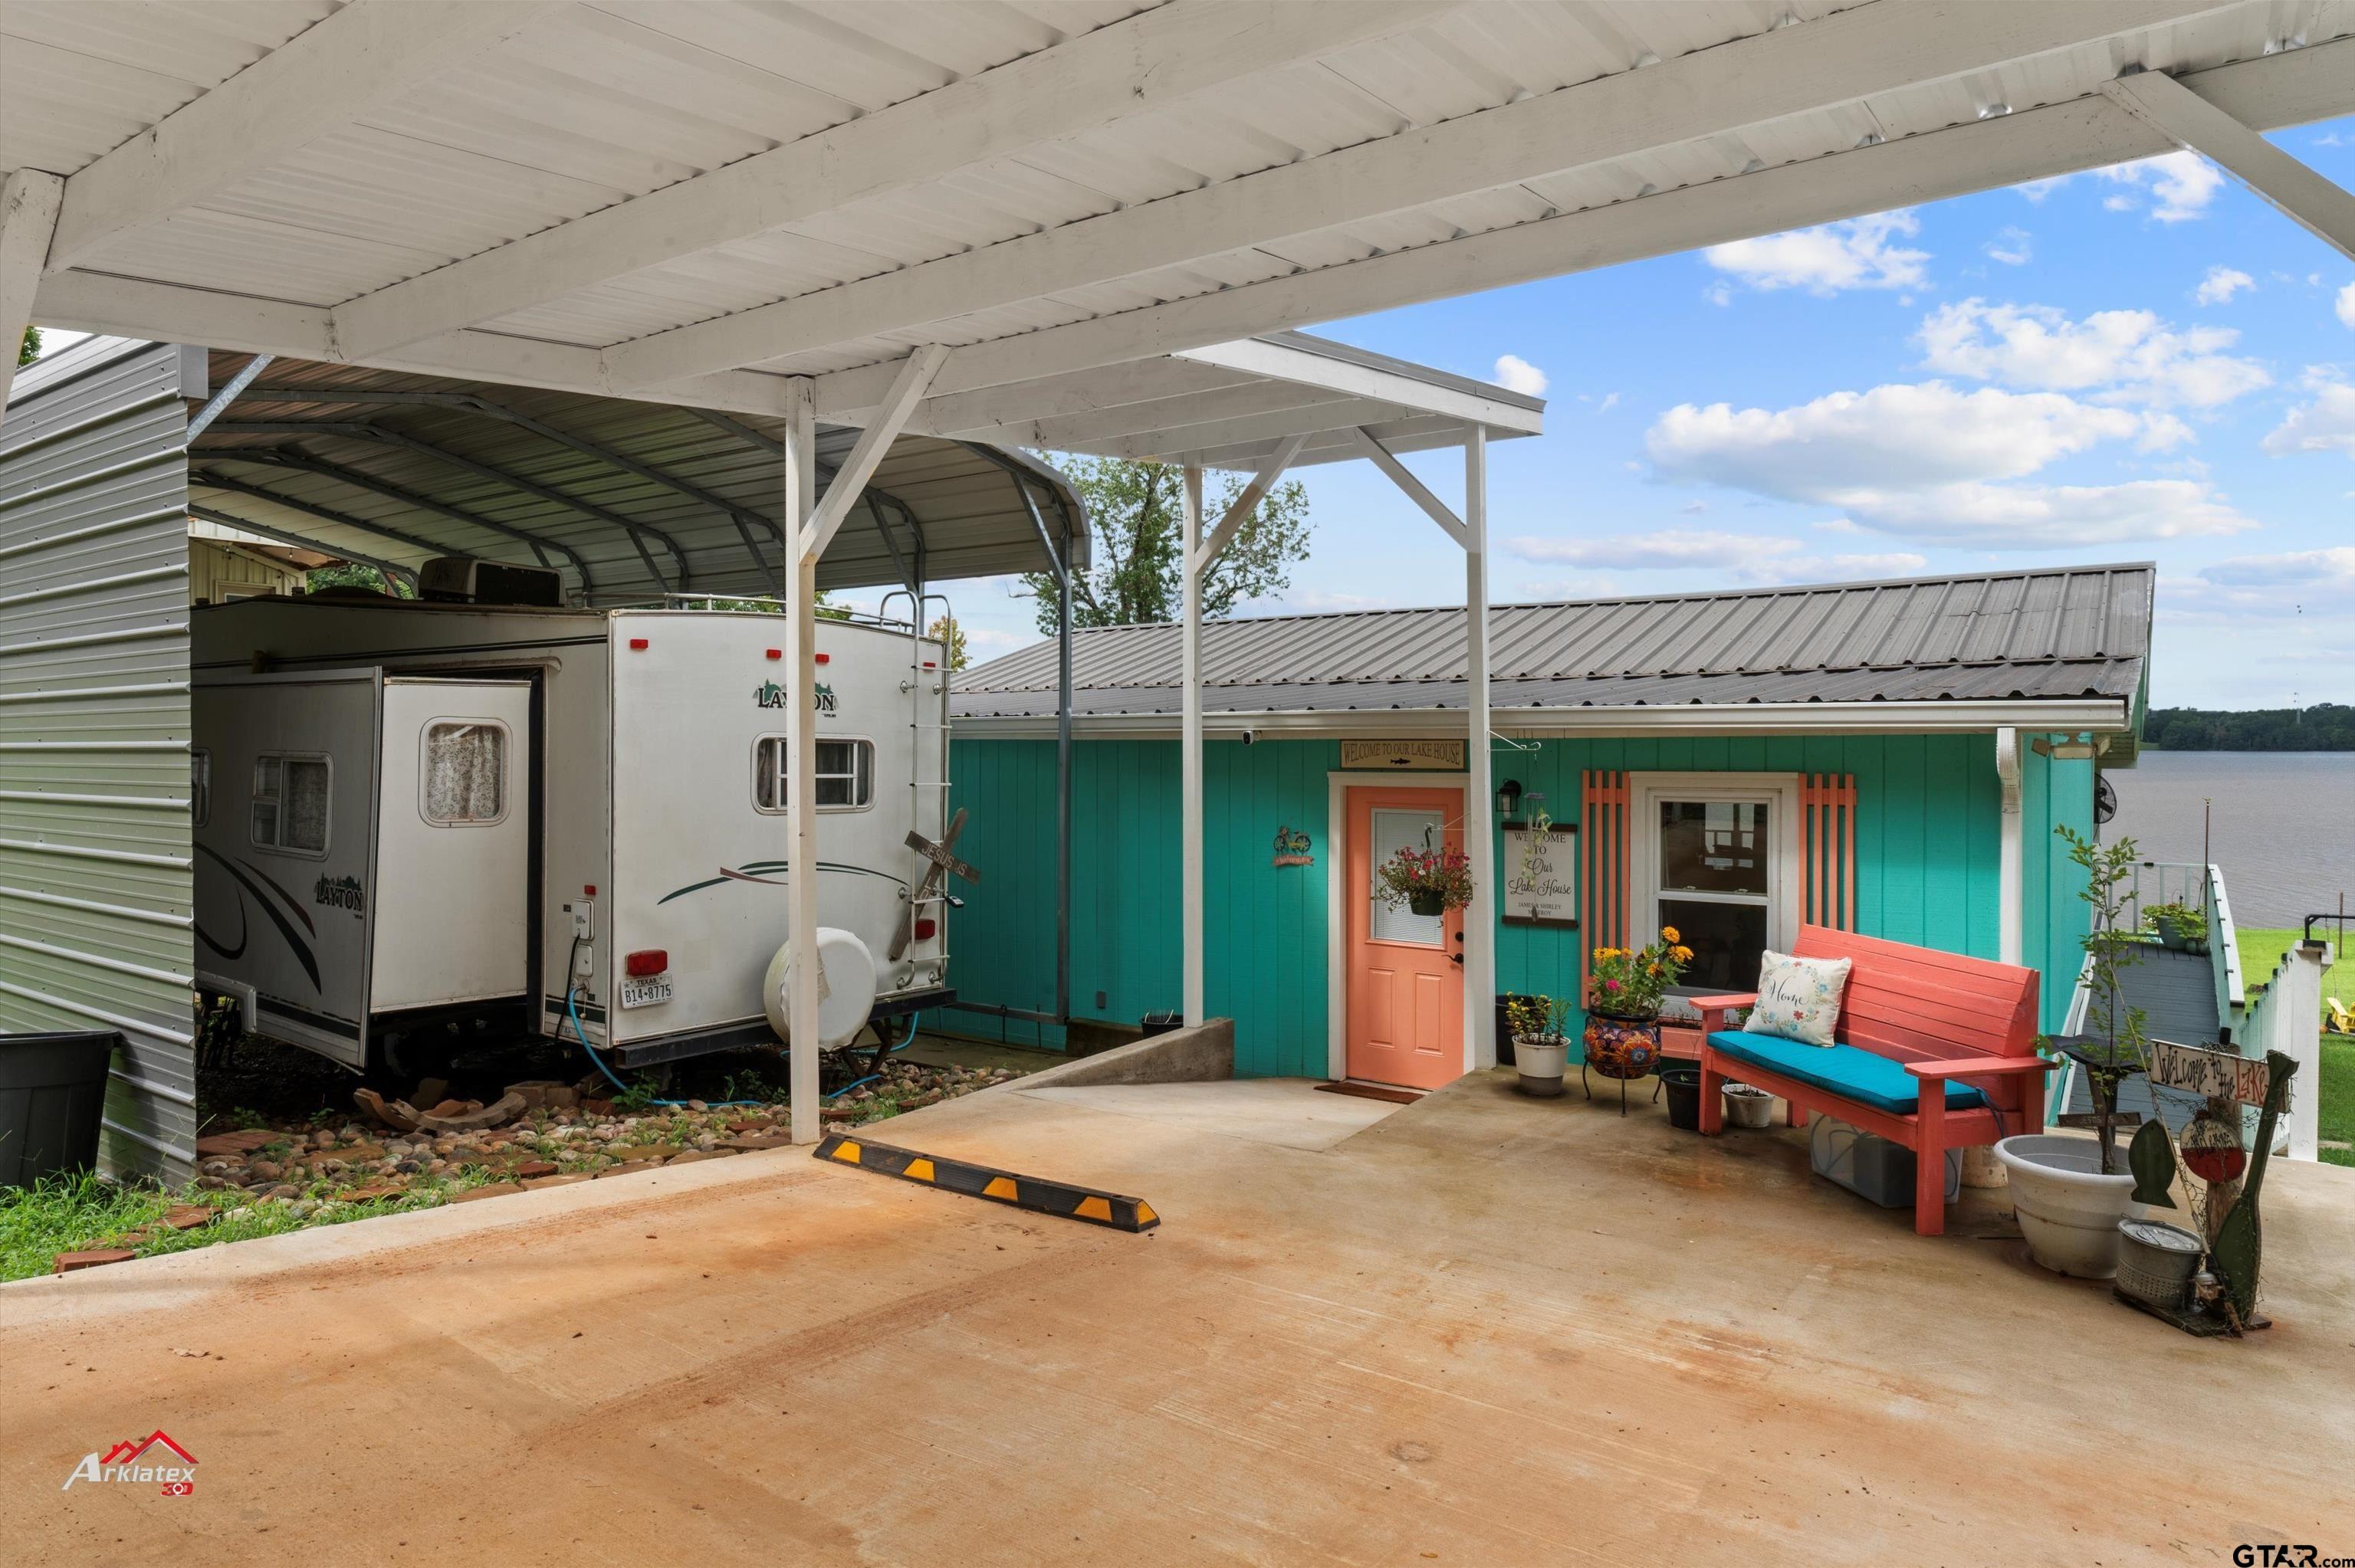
{"points": [[1927, 816]]}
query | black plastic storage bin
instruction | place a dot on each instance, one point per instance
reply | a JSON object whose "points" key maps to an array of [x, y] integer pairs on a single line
{"points": [[1161, 1023], [52, 1087]]}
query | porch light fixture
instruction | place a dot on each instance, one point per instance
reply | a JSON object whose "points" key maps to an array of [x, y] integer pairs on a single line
{"points": [[1508, 797]]}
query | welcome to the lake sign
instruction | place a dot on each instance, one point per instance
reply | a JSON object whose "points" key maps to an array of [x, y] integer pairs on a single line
{"points": [[1539, 888]]}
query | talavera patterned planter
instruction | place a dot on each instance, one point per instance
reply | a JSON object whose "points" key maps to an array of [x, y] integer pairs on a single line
{"points": [[1621, 1048]]}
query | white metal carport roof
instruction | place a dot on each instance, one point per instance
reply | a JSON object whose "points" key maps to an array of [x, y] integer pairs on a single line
{"points": [[698, 201]]}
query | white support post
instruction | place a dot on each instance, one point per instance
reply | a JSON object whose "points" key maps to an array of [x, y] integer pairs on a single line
{"points": [[2010, 850], [28, 215], [2303, 196], [1479, 838], [1189, 765], [849, 481], [801, 766], [1247, 502]]}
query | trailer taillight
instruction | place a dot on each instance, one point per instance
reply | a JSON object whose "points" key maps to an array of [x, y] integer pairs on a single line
{"points": [[925, 928], [637, 645], [652, 961], [826, 658], [776, 653]]}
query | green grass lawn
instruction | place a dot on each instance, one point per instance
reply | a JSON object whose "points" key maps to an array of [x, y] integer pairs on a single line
{"points": [[2261, 954]]}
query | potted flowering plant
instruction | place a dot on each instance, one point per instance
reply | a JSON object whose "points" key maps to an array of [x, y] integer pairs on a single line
{"points": [[1540, 1041], [1427, 880], [1622, 1019]]}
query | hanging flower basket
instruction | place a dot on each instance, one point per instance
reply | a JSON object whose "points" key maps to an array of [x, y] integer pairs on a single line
{"points": [[1425, 882]]}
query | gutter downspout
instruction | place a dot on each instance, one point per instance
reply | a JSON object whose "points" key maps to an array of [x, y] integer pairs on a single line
{"points": [[2009, 878]]}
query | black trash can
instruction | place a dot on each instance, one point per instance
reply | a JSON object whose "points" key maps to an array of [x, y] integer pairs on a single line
{"points": [[1683, 1086], [52, 1087], [1161, 1023]]}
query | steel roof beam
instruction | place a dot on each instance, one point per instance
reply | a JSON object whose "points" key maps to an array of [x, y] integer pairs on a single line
{"points": [[1826, 63], [205, 479], [1109, 73], [282, 537], [360, 429], [333, 71], [2307, 198], [744, 517], [282, 457], [28, 215], [872, 495]]}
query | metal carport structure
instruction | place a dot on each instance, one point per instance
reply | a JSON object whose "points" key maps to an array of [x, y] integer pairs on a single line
{"points": [[1008, 217]]}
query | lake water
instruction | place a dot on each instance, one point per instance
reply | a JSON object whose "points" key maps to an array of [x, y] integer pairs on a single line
{"points": [[2283, 829]]}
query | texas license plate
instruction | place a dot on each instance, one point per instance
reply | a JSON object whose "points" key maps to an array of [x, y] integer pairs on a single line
{"points": [[644, 992]]}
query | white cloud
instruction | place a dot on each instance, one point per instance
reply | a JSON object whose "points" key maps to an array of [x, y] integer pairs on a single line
{"points": [[2220, 285], [1921, 461], [2328, 569], [1608, 403], [2347, 305], [1515, 374], [1751, 557], [1856, 254], [1903, 435], [2325, 425], [2051, 516], [2013, 248], [2121, 356], [2181, 185]]}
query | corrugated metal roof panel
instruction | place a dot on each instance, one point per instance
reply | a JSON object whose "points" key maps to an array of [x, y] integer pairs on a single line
{"points": [[2066, 632]]}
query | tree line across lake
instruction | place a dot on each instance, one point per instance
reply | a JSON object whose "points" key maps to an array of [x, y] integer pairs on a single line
{"points": [[2326, 726]]}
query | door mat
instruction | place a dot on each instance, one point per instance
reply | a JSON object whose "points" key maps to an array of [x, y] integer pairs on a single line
{"points": [[1373, 1092]]}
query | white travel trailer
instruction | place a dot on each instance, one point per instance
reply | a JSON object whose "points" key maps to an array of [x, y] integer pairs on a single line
{"points": [[413, 813]]}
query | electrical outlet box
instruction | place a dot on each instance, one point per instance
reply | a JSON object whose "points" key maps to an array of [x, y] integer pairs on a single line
{"points": [[584, 919]]}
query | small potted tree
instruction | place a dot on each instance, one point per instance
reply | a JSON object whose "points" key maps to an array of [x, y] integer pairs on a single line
{"points": [[2069, 1198], [1541, 1041], [1426, 881]]}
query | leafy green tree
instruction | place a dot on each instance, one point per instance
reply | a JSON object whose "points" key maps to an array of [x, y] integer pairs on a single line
{"points": [[945, 630], [2326, 726], [29, 348], [1135, 511], [351, 574]]}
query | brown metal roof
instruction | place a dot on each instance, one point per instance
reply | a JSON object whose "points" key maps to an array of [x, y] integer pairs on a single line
{"points": [[2071, 632]]}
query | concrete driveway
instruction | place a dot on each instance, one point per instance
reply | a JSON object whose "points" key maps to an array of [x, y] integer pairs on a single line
{"points": [[1480, 1331]]}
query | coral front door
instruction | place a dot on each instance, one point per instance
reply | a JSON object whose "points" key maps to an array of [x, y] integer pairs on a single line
{"points": [[1405, 970]]}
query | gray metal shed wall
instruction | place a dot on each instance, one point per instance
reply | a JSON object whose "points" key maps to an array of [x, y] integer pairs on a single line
{"points": [[96, 900]]}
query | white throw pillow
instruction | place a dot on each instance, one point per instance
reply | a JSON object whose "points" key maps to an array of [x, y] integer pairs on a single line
{"points": [[1798, 999]]}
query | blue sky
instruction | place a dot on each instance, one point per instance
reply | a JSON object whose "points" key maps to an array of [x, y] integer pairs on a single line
{"points": [[2142, 364]]}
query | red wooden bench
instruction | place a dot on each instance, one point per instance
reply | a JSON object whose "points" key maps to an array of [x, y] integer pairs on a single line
{"points": [[1912, 1020]]}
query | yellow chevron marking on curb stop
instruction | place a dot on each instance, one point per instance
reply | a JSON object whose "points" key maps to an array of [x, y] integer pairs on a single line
{"points": [[1093, 1209], [999, 1187], [919, 1171], [848, 1153], [1145, 1214]]}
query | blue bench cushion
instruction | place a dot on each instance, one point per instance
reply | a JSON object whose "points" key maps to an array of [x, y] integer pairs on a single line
{"points": [[1848, 1071]]}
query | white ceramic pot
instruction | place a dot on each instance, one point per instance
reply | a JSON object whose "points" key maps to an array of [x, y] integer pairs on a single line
{"points": [[2068, 1210], [1541, 1063]]}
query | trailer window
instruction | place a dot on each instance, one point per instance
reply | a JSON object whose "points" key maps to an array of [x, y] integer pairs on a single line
{"points": [[200, 787], [289, 802], [465, 772], [846, 774]]}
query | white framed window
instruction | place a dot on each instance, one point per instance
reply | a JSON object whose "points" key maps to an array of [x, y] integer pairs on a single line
{"points": [[846, 774], [1716, 855], [291, 795], [200, 786], [463, 772]]}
